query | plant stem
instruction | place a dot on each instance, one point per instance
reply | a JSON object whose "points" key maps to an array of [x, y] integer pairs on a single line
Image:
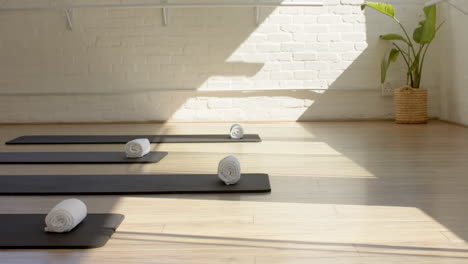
{"points": [[410, 43], [422, 61], [407, 61]]}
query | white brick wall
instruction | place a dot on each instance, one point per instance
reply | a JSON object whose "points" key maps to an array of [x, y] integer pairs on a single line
{"points": [[122, 64]]}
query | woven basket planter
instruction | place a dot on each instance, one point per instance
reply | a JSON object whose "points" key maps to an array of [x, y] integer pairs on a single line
{"points": [[411, 105]]}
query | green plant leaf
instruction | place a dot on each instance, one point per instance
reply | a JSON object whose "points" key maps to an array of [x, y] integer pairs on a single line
{"points": [[386, 9], [427, 30], [390, 56], [417, 34], [430, 24], [393, 37]]}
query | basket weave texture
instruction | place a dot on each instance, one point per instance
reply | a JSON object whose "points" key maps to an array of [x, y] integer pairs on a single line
{"points": [[411, 105]]}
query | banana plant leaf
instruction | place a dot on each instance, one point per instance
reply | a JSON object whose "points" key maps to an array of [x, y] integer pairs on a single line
{"points": [[390, 56], [383, 8], [427, 30]]}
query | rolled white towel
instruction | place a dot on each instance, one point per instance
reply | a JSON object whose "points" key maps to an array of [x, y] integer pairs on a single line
{"points": [[137, 148], [65, 216], [237, 132], [229, 170]]}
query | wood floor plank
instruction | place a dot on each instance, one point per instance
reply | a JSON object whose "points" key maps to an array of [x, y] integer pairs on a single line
{"points": [[342, 192]]}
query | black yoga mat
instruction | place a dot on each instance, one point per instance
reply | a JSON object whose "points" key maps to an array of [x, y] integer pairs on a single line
{"points": [[129, 184], [75, 157], [115, 139], [26, 231]]}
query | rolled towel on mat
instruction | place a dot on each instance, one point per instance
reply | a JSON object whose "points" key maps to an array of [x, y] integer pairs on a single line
{"points": [[229, 170], [65, 216], [137, 148], [237, 132]]}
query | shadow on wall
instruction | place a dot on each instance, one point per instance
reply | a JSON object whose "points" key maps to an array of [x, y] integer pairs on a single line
{"points": [[114, 64], [207, 64], [123, 49], [354, 78], [123, 65]]}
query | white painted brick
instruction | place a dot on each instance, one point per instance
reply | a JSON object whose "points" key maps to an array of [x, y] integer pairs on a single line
{"points": [[101, 68], [136, 76], [305, 37], [232, 114], [219, 85], [279, 38], [122, 68], [256, 36], [341, 9], [272, 66], [255, 57], [280, 19], [292, 103], [280, 57], [291, 10], [292, 66], [291, 28], [207, 115], [329, 74], [305, 75], [292, 47], [246, 48], [327, 56], [133, 65], [318, 10], [281, 76], [354, 19], [268, 28], [266, 84], [305, 56], [341, 28], [318, 47], [159, 59], [132, 59], [328, 37], [342, 65], [315, 84], [291, 84], [108, 42], [317, 65], [269, 47], [316, 28], [216, 103], [132, 41], [341, 46], [328, 19], [242, 85], [263, 102], [301, 20], [350, 56], [360, 46], [356, 36], [283, 114]]}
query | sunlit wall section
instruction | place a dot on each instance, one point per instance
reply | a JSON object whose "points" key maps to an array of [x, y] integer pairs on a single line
{"points": [[207, 64]]}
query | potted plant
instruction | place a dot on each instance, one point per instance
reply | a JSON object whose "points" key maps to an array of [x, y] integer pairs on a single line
{"points": [[411, 100]]}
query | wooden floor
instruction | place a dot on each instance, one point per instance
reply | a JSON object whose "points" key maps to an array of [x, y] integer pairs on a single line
{"points": [[343, 192]]}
